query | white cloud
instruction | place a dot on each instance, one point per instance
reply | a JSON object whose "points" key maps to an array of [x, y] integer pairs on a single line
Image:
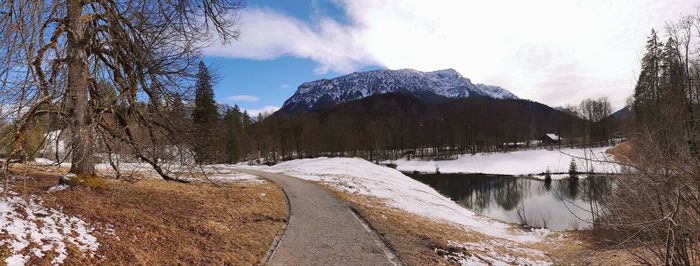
{"points": [[263, 110], [285, 86], [267, 34], [243, 98], [554, 51]]}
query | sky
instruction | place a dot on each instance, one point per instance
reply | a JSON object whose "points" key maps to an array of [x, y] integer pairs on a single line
{"points": [[556, 52]]}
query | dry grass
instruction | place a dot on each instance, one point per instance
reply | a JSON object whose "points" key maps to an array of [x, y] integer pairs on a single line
{"points": [[154, 222], [581, 248], [621, 152]]}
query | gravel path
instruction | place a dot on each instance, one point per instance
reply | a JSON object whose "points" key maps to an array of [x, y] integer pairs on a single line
{"points": [[323, 230]]}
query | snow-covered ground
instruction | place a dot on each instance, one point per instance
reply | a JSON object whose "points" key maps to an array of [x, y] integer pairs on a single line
{"points": [[31, 229], [525, 162]]}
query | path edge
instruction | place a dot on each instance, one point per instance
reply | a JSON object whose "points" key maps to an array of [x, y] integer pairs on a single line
{"points": [[389, 247], [276, 242]]}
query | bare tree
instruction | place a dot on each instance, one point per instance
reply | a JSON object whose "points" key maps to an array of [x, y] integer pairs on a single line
{"points": [[94, 63], [595, 111]]}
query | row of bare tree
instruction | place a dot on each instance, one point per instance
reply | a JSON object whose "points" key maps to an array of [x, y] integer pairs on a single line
{"points": [[395, 125]]}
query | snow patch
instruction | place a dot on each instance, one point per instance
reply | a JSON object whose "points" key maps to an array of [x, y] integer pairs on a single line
{"points": [[55, 188], [26, 222], [236, 177]]}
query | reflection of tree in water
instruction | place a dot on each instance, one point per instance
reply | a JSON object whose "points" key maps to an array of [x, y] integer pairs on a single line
{"points": [[572, 188], [548, 185], [485, 193], [472, 191], [566, 189], [589, 189], [508, 194], [477, 192], [595, 188]]}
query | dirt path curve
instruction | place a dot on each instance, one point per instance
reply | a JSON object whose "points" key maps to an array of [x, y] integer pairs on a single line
{"points": [[323, 230]]}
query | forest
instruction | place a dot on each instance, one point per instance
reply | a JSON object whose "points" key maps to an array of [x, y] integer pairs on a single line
{"points": [[388, 126]]}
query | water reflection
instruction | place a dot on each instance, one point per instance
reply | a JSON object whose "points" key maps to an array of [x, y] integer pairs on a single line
{"points": [[557, 205]]}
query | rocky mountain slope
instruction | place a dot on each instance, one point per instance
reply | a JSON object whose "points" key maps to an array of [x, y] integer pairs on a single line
{"points": [[430, 86]]}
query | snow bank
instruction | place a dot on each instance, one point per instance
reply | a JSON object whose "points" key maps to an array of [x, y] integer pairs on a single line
{"points": [[359, 176], [29, 224], [231, 176], [558, 176], [524, 162]]}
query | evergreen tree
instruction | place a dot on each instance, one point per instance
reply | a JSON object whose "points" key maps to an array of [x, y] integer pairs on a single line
{"points": [[673, 96], [177, 109], [573, 170], [205, 117], [178, 117], [232, 138], [645, 95]]}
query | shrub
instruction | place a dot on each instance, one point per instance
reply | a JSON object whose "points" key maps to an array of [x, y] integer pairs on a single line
{"points": [[547, 175], [654, 210], [573, 170]]}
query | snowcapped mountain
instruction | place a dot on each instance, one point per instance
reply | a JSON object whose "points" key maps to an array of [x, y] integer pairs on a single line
{"points": [[446, 83]]}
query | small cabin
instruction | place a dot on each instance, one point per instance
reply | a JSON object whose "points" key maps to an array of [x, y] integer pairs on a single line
{"points": [[550, 138]]}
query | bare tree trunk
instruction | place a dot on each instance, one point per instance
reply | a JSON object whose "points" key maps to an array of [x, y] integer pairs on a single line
{"points": [[82, 163]]}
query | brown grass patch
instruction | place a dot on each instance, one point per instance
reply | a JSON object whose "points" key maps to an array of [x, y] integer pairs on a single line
{"points": [[621, 152], [158, 222], [582, 248]]}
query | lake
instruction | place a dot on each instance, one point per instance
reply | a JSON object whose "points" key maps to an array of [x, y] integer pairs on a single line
{"points": [[556, 205]]}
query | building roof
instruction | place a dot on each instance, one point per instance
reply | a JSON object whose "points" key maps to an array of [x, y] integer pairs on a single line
{"points": [[553, 136]]}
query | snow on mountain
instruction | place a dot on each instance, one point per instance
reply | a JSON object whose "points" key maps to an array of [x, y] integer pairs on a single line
{"points": [[441, 83]]}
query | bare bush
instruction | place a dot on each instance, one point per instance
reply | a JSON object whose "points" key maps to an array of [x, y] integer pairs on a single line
{"points": [[655, 208]]}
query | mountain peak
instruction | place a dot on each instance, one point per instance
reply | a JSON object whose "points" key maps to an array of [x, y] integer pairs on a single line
{"points": [[447, 71], [439, 84]]}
